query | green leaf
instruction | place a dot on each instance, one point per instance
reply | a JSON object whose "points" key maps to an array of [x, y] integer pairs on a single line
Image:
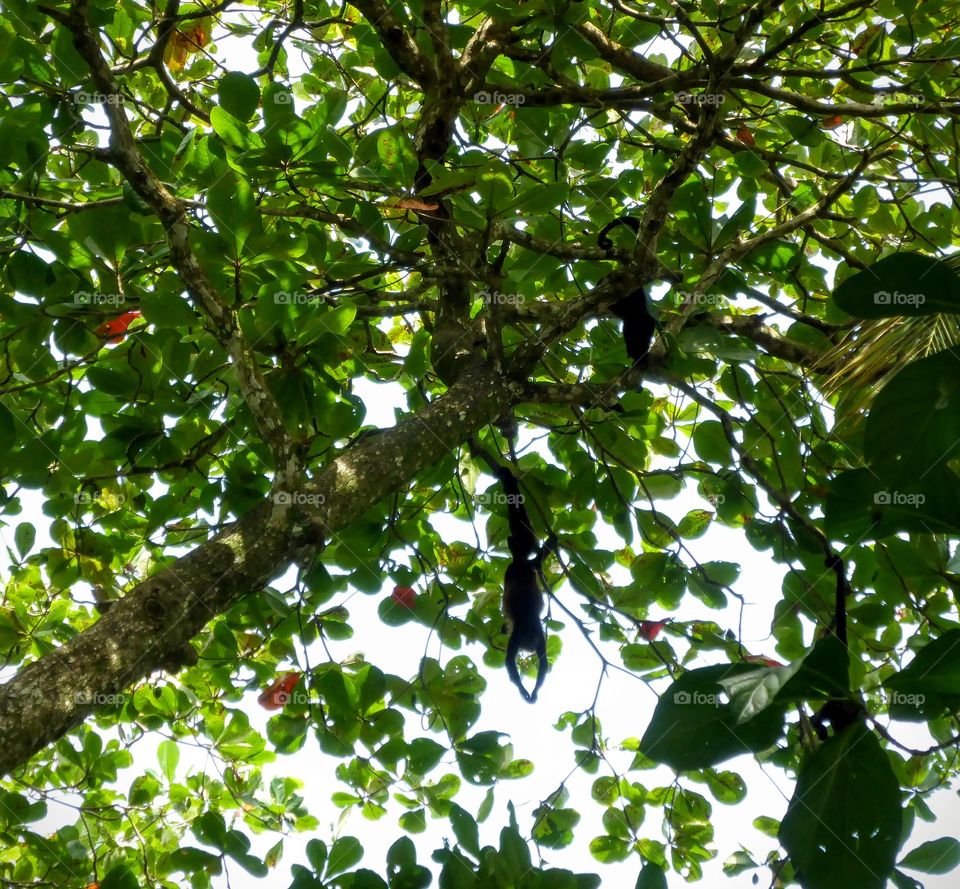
{"points": [[345, 853], [24, 538], [930, 683], [843, 824], [190, 859], [168, 755], [317, 855], [860, 504], [902, 881], [331, 321], [120, 877], [934, 857], [935, 668], [904, 284], [163, 308], [693, 728], [822, 673], [239, 95], [726, 787], [924, 397], [651, 877], [232, 204], [8, 430], [233, 131], [465, 829]]}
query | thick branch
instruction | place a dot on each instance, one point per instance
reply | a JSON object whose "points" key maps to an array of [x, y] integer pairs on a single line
{"points": [[151, 626], [402, 47]]}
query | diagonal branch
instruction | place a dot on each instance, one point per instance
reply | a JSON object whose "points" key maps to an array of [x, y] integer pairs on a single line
{"points": [[150, 627], [125, 155]]}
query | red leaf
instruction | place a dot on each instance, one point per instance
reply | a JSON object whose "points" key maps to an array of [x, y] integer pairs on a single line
{"points": [[650, 629], [831, 123], [405, 596], [114, 330], [745, 136], [277, 696]]}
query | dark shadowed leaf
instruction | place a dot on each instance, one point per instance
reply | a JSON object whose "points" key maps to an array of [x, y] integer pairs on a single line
{"points": [[903, 284], [693, 727], [843, 825]]}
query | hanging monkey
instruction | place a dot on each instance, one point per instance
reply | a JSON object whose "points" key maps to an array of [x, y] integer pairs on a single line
{"points": [[522, 586], [639, 326], [840, 713]]}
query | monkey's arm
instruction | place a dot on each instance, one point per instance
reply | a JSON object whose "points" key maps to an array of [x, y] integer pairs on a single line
{"points": [[541, 664], [513, 649], [603, 239], [527, 639]]}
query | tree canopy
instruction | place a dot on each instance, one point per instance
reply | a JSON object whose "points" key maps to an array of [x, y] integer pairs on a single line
{"points": [[225, 225]]}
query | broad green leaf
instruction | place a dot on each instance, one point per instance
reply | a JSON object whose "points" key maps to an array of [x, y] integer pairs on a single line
{"points": [[924, 397], [233, 131], [345, 853], [843, 824], [120, 877], [902, 284], [860, 504], [651, 877], [24, 537], [168, 754], [239, 95], [934, 857], [693, 727], [465, 829], [232, 204], [930, 683]]}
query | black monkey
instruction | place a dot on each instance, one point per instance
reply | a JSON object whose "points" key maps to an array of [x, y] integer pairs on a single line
{"points": [[522, 591], [639, 326], [839, 713]]}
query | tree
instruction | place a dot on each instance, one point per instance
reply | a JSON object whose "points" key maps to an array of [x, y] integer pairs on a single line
{"points": [[220, 221]]}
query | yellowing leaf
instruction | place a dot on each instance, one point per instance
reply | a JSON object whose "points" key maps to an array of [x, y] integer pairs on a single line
{"points": [[192, 38]]}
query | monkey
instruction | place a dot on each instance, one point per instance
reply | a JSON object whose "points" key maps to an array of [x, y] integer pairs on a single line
{"points": [[839, 713], [639, 326], [522, 591]]}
